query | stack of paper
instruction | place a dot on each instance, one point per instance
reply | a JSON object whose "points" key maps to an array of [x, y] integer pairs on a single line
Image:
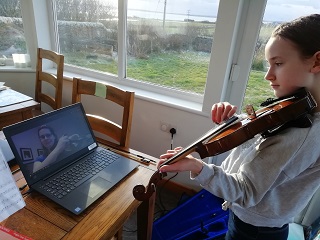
{"points": [[11, 199]]}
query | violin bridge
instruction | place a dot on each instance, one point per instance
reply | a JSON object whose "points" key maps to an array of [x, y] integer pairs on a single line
{"points": [[250, 111]]}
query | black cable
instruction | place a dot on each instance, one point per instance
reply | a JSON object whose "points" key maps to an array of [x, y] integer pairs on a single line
{"points": [[164, 210], [172, 131]]}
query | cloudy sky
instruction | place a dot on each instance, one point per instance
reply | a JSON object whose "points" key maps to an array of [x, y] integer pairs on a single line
{"points": [[277, 10], [286, 10]]}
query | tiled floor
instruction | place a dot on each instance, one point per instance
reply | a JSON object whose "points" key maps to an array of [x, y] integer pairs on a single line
{"points": [[166, 201]]}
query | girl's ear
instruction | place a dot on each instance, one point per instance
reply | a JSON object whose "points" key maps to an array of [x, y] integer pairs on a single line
{"points": [[316, 66]]}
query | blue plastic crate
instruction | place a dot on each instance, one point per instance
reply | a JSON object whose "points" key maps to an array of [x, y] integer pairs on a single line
{"points": [[200, 217]]}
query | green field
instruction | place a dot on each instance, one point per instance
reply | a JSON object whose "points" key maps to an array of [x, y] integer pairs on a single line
{"points": [[186, 71], [258, 89]]}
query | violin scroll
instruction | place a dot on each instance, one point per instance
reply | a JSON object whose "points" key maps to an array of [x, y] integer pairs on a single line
{"points": [[141, 193]]}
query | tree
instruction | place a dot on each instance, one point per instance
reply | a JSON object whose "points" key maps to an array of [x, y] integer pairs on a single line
{"points": [[10, 8], [84, 10]]}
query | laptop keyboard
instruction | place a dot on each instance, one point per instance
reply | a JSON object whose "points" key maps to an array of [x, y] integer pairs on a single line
{"points": [[78, 174]]}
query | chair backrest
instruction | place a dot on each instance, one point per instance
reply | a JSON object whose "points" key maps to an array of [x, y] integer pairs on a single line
{"points": [[100, 124], [49, 86]]}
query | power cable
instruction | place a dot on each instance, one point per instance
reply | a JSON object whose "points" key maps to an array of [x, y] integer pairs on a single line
{"points": [[172, 131]]}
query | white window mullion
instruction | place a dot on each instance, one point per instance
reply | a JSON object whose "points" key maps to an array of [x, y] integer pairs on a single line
{"points": [[235, 37], [38, 33], [249, 28], [53, 24], [222, 52], [122, 28], [30, 33]]}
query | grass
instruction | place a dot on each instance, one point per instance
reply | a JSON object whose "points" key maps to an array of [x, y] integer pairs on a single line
{"points": [[186, 71], [258, 90]]}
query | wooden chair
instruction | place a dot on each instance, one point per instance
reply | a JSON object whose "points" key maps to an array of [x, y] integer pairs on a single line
{"points": [[118, 136], [114, 135], [48, 88]]}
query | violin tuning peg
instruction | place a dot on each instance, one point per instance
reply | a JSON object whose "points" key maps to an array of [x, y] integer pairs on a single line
{"points": [[250, 111]]}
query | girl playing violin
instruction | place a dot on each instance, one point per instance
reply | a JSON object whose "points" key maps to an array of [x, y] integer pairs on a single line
{"points": [[266, 182]]}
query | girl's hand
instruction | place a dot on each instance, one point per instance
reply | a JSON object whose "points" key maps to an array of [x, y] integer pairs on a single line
{"points": [[222, 111], [189, 163]]}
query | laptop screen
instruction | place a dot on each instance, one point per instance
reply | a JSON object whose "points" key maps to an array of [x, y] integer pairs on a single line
{"points": [[51, 141]]}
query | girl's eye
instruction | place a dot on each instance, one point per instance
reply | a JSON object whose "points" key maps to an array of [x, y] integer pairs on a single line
{"points": [[277, 63]]}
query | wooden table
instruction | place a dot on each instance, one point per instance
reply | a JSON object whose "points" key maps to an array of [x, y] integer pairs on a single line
{"points": [[44, 219], [15, 107]]}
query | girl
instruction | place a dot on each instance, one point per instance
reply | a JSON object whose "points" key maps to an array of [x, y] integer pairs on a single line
{"points": [[266, 182]]}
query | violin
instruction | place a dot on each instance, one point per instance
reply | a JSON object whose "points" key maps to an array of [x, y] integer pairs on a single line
{"points": [[281, 113]]}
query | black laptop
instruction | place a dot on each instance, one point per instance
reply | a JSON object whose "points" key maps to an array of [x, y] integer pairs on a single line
{"points": [[76, 174]]}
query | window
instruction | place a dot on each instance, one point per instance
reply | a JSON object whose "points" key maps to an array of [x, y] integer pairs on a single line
{"points": [[12, 38], [88, 33], [168, 42]]}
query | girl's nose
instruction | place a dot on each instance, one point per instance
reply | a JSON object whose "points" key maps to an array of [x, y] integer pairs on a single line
{"points": [[269, 76]]}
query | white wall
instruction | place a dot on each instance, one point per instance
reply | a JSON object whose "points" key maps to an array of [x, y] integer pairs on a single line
{"points": [[146, 135], [22, 81]]}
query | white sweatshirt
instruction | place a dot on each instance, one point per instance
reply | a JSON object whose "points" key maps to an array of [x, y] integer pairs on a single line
{"points": [[267, 182]]}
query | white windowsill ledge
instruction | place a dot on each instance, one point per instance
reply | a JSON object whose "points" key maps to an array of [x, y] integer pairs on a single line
{"points": [[143, 94], [15, 69]]}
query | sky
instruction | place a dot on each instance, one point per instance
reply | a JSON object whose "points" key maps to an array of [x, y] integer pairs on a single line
{"points": [[276, 10], [287, 10]]}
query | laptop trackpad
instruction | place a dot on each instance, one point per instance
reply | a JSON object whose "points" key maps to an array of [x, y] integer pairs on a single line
{"points": [[96, 186]]}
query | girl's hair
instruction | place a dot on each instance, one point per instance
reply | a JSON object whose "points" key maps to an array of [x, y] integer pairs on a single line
{"points": [[304, 32], [47, 151]]}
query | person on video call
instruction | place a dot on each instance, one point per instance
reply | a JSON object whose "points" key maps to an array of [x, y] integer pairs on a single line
{"points": [[53, 147]]}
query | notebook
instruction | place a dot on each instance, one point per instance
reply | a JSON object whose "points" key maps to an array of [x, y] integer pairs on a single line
{"points": [[78, 171]]}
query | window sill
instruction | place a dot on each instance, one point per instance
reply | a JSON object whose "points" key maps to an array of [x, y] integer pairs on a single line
{"points": [[193, 105], [15, 69]]}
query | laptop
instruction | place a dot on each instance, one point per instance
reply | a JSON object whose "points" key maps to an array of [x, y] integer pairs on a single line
{"points": [[80, 173]]}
